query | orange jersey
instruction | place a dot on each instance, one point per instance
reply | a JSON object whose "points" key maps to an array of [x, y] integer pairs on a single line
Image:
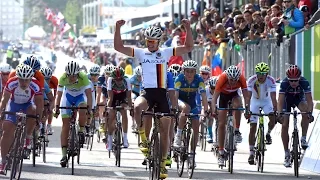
{"points": [[224, 87], [38, 75], [53, 84]]}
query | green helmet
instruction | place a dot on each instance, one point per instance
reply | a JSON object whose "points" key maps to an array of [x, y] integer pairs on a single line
{"points": [[262, 68], [117, 73]]}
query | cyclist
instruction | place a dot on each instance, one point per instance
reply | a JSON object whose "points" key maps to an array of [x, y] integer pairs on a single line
{"points": [[52, 81], [209, 92], [227, 90], [135, 81], [294, 91], [187, 85], [174, 73], [93, 77], [24, 94], [5, 69], [76, 85], [154, 66], [176, 67], [102, 89], [205, 72], [119, 93], [262, 90]]}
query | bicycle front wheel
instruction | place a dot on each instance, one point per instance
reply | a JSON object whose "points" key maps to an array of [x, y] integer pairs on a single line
{"points": [[231, 150], [154, 165], [296, 153], [118, 147], [180, 154], [191, 154]]}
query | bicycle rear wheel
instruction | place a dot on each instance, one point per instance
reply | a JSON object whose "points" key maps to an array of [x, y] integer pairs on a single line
{"points": [[296, 153], [191, 154], [231, 150]]}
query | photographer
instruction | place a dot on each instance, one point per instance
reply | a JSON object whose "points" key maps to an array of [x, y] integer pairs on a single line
{"points": [[257, 27], [292, 18]]}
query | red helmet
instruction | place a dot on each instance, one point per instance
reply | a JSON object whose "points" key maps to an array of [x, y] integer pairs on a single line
{"points": [[293, 72]]}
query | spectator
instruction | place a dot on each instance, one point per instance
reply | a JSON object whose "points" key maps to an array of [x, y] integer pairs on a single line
{"points": [[313, 19], [128, 67], [198, 7], [292, 18], [276, 11], [306, 13]]}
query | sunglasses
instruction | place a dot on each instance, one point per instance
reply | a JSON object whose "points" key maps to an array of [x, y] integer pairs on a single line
{"points": [[261, 73], [151, 41], [74, 75], [205, 74], [294, 80], [287, 1], [212, 88], [94, 74], [233, 80]]}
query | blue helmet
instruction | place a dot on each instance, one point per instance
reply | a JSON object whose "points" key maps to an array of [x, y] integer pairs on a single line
{"points": [[33, 62]]}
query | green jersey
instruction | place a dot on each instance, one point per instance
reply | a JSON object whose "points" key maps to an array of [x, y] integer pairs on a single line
{"points": [[74, 89]]}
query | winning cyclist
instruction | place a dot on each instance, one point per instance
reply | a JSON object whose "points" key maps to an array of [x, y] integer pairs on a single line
{"points": [[259, 87], [119, 93], [187, 85], [209, 92], [294, 91], [154, 67], [76, 85], [227, 90], [25, 94]]}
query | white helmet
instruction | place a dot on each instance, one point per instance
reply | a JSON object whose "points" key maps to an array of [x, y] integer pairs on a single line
{"points": [[72, 68], [213, 81], [109, 68], [95, 69], [233, 72], [6, 68], [138, 71], [176, 67], [206, 69], [174, 72], [189, 64], [24, 72], [47, 72], [153, 32]]}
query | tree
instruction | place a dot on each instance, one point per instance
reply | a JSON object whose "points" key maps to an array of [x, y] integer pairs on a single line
{"points": [[73, 13]]}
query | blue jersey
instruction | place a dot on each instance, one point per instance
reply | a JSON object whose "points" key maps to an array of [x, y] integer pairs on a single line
{"points": [[46, 90], [188, 92], [135, 84], [94, 83], [299, 91], [170, 81]]}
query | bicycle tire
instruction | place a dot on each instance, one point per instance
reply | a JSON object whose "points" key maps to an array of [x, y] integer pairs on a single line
{"points": [[92, 132], [21, 157], [262, 149], [118, 147], [156, 157], [231, 150], [205, 139], [72, 148], [181, 154], [98, 136], [191, 170], [44, 143], [296, 153], [201, 136], [18, 149], [78, 148], [34, 147]]}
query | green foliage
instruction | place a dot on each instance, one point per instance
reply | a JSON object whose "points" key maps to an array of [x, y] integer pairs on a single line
{"points": [[88, 29], [71, 11]]}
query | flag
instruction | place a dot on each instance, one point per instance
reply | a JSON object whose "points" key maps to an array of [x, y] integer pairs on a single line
{"points": [[218, 60], [307, 56], [54, 33], [49, 14]]}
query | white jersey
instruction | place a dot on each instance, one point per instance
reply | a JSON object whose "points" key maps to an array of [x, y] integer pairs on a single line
{"points": [[154, 66], [208, 94], [261, 91]]}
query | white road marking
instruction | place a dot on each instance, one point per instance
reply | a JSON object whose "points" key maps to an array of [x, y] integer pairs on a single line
{"points": [[120, 174]]}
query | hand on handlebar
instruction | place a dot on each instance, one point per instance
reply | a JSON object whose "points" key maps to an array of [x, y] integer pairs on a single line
{"points": [[247, 113]]}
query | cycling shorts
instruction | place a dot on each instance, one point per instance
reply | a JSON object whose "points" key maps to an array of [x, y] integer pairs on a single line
{"points": [[291, 102], [255, 104], [194, 109], [14, 107], [157, 99], [68, 100], [225, 98], [119, 99]]}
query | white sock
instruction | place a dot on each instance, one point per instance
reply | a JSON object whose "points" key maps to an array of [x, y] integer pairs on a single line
{"points": [[125, 135]]}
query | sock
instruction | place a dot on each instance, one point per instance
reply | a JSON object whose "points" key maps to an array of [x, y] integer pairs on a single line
{"points": [[109, 138], [304, 137], [143, 135], [221, 151], [210, 130], [125, 136], [64, 151], [251, 149], [179, 132], [287, 153]]}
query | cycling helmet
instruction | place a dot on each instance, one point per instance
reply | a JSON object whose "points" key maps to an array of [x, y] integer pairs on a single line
{"points": [[33, 62], [176, 67], [262, 67], [109, 68], [233, 72], [6, 68], [189, 64], [138, 71], [47, 72], [24, 72], [293, 72], [95, 69], [117, 73], [213, 81], [153, 32], [206, 69], [174, 72], [72, 68]]}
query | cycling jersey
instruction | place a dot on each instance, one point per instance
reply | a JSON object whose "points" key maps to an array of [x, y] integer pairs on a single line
{"points": [[154, 66], [187, 92], [46, 91], [261, 90], [208, 94], [224, 87], [135, 83], [94, 83], [103, 85], [53, 83], [76, 88], [37, 74], [301, 90], [117, 89], [20, 96]]}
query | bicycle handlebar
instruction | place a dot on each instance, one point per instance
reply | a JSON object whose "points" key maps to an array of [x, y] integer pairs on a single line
{"points": [[119, 108], [258, 114], [191, 114], [232, 109], [294, 112], [73, 108], [157, 114]]}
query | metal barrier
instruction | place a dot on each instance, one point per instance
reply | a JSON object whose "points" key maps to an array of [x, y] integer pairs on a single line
{"points": [[252, 53]]}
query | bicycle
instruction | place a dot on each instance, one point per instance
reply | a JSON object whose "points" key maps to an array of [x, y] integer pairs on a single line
{"points": [[295, 151], [230, 144], [214, 147], [185, 151], [74, 145], [154, 156], [203, 134], [260, 146], [14, 158], [97, 131], [90, 136], [117, 139]]}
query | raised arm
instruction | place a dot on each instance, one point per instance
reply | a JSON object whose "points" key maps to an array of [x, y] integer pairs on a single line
{"points": [[188, 45], [118, 44]]}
